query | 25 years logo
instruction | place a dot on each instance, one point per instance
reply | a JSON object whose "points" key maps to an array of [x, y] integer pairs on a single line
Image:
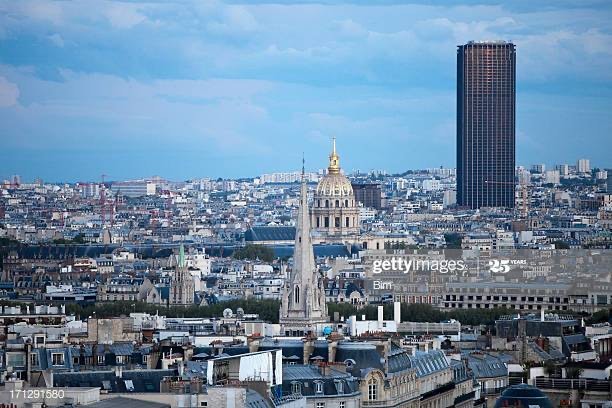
{"points": [[503, 265], [499, 265]]}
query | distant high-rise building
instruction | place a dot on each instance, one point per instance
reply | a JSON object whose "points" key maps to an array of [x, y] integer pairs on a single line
{"points": [[538, 168], [486, 98], [368, 194], [133, 188], [552, 177], [583, 166], [609, 182], [563, 169]]}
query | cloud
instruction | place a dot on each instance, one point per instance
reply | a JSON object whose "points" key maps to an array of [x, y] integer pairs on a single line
{"points": [[124, 16], [257, 76], [57, 40], [9, 93]]}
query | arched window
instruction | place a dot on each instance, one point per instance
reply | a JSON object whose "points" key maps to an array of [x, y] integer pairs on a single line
{"points": [[337, 203], [326, 203], [372, 389], [346, 203], [347, 222], [296, 293]]}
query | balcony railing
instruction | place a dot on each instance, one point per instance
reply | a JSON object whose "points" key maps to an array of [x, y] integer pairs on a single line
{"points": [[574, 384]]}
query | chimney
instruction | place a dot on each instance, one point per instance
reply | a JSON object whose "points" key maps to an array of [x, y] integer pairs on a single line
{"points": [[380, 317], [28, 351], [331, 351], [353, 325], [308, 350], [397, 312], [253, 344]]}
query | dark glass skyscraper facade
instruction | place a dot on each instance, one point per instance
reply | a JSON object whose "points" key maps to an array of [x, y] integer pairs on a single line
{"points": [[486, 99]]}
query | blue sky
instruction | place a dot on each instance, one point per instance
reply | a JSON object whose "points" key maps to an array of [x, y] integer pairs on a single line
{"points": [[215, 89]]}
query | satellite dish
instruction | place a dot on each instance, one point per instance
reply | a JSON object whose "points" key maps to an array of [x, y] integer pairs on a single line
{"points": [[227, 313]]}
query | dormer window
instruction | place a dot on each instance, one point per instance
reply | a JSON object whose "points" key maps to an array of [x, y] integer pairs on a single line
{"points": [[339, 386], [296, 387], [319, 387]]}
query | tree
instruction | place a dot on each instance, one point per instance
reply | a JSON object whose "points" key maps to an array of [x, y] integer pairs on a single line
{"points": [[453, 240], [550, 369], [573, 372], [601, 316], [253, 252], [561, 245]]}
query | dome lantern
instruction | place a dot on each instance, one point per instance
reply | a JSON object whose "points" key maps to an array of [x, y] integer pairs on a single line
{"points": [[334, 160]]}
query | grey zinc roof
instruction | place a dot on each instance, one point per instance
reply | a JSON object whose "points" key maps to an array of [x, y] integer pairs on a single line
{"points": [[270, 234], [195, 369], [486, 366], [430, 362], [255, 400], [309, 372], [122, 402]]}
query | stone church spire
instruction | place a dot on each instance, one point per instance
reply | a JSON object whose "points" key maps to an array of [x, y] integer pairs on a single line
{"points": [[303, 303]]}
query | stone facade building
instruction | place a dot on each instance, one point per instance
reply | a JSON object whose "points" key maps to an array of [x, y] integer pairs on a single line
{"points": [[335, 213]]}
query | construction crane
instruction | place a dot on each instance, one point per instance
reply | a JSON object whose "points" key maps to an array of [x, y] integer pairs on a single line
{"points": [[524, 194], [103, 200]]}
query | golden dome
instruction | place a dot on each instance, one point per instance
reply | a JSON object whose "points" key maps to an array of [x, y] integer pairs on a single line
{"points": [[334, 184]]}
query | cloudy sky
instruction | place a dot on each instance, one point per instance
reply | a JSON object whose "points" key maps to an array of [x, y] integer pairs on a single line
{"points": [[193, 89]]}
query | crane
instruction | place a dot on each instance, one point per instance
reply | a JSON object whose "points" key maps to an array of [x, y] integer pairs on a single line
{"points": [[103, 200]]}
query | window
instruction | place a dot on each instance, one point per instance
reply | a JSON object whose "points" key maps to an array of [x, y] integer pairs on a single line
{"points": [[297, 294], [57, 359], [320, 405], [100, 360], [33, 360], [340, 387], [203, 403], [337, 222], [296, 388], [372, 390], [342, 404], [318, 387]]}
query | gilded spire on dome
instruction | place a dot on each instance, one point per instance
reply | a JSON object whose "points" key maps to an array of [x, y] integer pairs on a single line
{"points": [[334, 160]]}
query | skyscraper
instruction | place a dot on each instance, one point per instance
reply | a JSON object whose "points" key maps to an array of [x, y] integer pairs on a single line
{"points": [[486, 98]]}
